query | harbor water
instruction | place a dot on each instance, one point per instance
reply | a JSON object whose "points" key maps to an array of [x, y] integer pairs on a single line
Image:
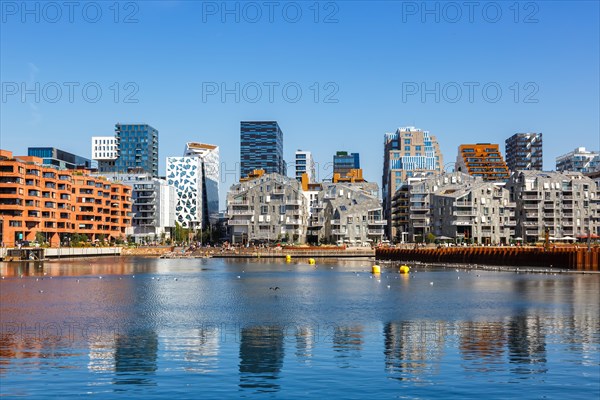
{"points": [[190, 328]]}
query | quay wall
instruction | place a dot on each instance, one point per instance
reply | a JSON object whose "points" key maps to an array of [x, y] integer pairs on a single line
{"points": [[575, 258]]}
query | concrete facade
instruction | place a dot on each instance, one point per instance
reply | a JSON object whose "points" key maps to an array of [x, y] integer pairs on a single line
{"points": [[268, 208], [564, 203]]}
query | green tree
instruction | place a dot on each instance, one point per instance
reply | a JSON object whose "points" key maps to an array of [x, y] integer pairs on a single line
{"points": [[39, 237]]}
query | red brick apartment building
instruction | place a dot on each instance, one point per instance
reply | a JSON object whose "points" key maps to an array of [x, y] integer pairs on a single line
{"points": [[58, 203]]}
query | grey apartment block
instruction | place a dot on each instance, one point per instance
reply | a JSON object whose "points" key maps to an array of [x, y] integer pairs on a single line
{"points": [[413, 213], [347, 213], [473, 211], [267, 208], [566, 204], [153, 208]]}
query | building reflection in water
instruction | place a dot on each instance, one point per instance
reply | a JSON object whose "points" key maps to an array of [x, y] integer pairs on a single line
{"points": [[413, 348], [198, 347], [347, 344], [305, 343], [135, 357], [261, 357], [527, 344], [482, 344], [131, 356]]}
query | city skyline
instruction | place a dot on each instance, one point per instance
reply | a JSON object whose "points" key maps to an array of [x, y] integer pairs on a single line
{"points": [[358, 98]]}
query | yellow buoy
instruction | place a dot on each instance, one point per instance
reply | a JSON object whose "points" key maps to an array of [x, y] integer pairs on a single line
{"points": [[375, 269], [404, 269], [311, 261], [288, 258]]}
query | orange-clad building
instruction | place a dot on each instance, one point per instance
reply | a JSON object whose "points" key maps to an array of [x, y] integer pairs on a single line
{"points": [[483, 160], [58, 203]]}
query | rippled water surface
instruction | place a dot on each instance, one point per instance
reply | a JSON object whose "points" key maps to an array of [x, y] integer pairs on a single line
{"points": [[148, 328]]}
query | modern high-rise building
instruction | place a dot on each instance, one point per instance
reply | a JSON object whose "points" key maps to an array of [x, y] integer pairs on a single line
{"points": [[185, 174], [138, 148], [407, 152], [483, 160], [210, 164], [343, 162], [579, 160], [134, 148], [524, 152], [305, 164], [153, 206], [261, 147], [59, 158]]}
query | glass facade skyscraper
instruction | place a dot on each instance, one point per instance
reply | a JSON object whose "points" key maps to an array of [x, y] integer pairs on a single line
{"points": [[138, 148], [344, 162], [59, 158], [261, 147]]}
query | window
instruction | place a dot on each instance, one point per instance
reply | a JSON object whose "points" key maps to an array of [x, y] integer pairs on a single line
{"points": [[264, 210]]}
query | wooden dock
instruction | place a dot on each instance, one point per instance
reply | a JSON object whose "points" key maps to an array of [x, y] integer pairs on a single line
{"points": [[574, 258]]}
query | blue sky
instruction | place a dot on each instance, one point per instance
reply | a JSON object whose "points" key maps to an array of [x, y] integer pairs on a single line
{"points": [[370, 61]]}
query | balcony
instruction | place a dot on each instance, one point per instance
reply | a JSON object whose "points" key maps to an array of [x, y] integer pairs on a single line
{"points": [[378, 232], [335, 222], [464, 212], [419, 208], [530, 206], [532, 197], [463, 204], [239, 203], [238, 222], [339, 231], [532, 233], [462, 223], [420, 225], [293, 202], [377, 222], [241, 212], [293, 222]]}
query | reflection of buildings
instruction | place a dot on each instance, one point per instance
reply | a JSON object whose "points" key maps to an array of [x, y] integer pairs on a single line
{"points": [[261, 357], [527, 343], [305, 342], [135, 357], [413, 347], [198, 347], [347, 343], [482, 342]]}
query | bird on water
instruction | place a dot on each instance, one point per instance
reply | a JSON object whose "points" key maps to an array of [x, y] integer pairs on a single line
{"points": [[274, 288]]}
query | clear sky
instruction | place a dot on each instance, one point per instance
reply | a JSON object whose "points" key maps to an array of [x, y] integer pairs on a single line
{"points": [[378, 66]]}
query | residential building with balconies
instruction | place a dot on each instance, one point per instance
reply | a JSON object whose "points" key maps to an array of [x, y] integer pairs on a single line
{"points": [[267, 207], [153, 206], [474, 212], [349, 214], [565, 204], [58, 203], [524, 151], [483, 160]]}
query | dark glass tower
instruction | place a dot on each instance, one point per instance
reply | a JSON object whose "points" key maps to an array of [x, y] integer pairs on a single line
{"points": [[138, 148], [344, 162], [261, 147]]}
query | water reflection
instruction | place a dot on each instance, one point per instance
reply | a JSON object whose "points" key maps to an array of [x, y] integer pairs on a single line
{"points": [[527, 344], [261, 357], [141, 334], [413, 348], [347, 345], [136, 357]]}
